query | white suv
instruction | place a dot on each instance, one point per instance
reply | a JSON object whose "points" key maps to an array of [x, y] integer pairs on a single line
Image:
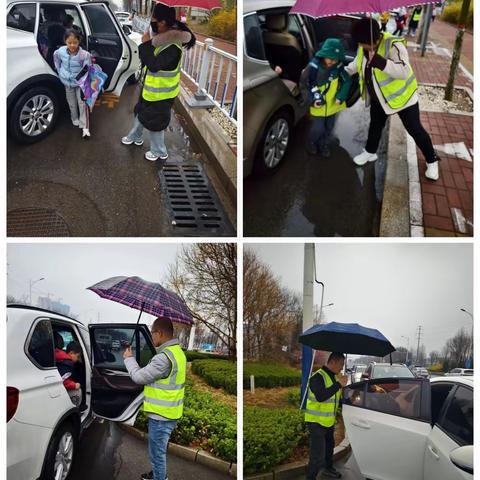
{"points": [[411, 428], [35, 30], [43, 425]]}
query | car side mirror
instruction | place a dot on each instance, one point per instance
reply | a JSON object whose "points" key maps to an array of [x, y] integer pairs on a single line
{"points": [[365, 375], [462, 458]]}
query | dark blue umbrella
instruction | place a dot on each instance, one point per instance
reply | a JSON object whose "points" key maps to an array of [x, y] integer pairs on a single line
{"points": [[347, 338]]}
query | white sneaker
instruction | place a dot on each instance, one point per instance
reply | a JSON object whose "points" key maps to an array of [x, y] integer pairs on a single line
{"points": [[365, 157], [85, 133], [152, 157], [127, 141], [432, 171], [75, 123]]}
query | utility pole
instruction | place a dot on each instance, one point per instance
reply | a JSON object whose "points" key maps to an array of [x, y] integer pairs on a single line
{"points": [[457, 49], [191, 338], [419, 334], [308, 275], [427, 20]]}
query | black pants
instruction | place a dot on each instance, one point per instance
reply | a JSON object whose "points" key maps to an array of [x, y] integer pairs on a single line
{"points": [[383, 27], [410, 118], [321, 449]]}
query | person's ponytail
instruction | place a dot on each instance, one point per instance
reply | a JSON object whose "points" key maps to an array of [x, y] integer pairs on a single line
{"points": [[181, 26]]}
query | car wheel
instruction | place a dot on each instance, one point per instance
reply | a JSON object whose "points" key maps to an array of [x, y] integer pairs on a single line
{"points": [[60, 453], [273, 144], [34, 115]]}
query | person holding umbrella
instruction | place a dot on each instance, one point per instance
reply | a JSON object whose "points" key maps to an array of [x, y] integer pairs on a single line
{"points": [[164, 381], [161, 84], [323, 401], [389, 86]]}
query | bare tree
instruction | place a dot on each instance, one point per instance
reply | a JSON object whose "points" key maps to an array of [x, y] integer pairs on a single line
{"points": [[458, 349], [435, 357], [205, 277]]}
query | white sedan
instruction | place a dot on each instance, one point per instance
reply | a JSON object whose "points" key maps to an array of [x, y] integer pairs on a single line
{"points": [[411, 428]]}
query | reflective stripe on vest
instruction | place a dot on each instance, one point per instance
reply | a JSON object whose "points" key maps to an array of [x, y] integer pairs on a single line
{"points": [[396, 92], [163, 84], [330, 107], [324, 412], [416, 16], [165, 396]]}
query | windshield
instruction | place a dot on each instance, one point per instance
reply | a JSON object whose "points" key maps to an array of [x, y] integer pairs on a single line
{"points": [[384, 371], [360, 368]]}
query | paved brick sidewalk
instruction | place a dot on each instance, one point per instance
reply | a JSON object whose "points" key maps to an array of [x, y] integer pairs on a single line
{"points": [[447, 203]]}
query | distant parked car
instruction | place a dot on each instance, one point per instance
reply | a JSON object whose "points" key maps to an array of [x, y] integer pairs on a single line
{"points": [[420, 372], [357, 371], [385, 370], [124, 18], [460, 371]]}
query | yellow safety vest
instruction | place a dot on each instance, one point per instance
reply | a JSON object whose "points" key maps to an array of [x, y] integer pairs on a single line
{"points": [[163, 84], [324, 412], [328, 90], [164, 396], [396, 92], [416, 16]]}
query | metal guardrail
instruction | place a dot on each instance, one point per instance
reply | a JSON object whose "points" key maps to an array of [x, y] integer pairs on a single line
{"points": [[213, 71]]}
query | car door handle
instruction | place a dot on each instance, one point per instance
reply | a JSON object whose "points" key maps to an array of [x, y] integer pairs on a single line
{"points": [[434, 453], [361, 424], [116, 373]]}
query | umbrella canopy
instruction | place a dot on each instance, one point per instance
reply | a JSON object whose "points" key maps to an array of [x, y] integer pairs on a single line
{"points": [[145, 296], [201, 4], [327, 8], [347, 338]]}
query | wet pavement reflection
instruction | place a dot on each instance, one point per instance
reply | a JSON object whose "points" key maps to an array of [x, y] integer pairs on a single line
{"points": [[315, 196], [109, 453]]}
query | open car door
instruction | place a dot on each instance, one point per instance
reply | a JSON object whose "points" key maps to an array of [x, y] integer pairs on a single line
{"points": [[388, 423], [114, 395], [112, 49]]}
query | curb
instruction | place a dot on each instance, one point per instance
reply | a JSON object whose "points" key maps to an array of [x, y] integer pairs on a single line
{"points": [[191, 454], [295, 469], [214, 142]]}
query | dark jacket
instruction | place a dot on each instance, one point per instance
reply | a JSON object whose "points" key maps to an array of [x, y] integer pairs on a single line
{"points": [[66, 368], [317, 386], [155, 116]]}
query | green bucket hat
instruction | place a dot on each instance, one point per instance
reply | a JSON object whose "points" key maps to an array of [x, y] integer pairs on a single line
{"points": [[332, 48]]}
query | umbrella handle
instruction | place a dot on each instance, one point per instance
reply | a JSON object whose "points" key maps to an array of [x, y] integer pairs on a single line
{"points": [[138, 320]]}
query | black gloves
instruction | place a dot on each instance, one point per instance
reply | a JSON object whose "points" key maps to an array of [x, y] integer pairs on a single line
{"points": [[378, 62]]}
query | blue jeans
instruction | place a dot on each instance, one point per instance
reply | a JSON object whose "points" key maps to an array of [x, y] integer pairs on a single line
{"points": [[321, 129], [157, 139], [159, 432]]}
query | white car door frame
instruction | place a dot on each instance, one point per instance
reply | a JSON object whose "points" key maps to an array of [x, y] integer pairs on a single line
{"points": [[386, 446]]}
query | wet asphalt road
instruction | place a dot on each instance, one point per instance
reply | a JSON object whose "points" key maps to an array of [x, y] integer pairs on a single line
{"points": [[98, 186], [108, 453], [315, 196], [347, 466]]}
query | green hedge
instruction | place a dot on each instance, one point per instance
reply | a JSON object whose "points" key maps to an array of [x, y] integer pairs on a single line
{"points": [[293, 397], [451, 13], [217, 373], [269, 436], [205, 422], [270, 376], [191, 355]]}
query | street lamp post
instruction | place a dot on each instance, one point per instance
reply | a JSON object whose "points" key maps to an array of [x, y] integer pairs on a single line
{"points": [[31, 283], [408, 347]]}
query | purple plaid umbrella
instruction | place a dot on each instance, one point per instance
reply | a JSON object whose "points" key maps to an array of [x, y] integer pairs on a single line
{"points": [[144, 296]]}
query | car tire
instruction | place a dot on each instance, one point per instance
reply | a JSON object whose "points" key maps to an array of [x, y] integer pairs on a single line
{"points": [[273, 144], [40, 102], [60, 452]]}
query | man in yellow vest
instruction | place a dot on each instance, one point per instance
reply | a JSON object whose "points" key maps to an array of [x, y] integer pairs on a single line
{"points": [[164, 387], [323, 402], [388, 85]]}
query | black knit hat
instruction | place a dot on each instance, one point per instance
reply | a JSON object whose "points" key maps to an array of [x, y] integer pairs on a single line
{"points": [[366, 30], [164, 12]]}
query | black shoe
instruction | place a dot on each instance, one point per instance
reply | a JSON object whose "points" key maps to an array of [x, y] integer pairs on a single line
{"points": [[325, 151], [334, 141], [331, 472], [147, 476], [312, 149]]}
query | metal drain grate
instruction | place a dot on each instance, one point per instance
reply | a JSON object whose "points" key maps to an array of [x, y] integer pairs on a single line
{"points": [[194, 205], [36, 222]]}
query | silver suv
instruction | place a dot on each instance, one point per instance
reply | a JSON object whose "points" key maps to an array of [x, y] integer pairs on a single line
{"points": [[272, 102]]}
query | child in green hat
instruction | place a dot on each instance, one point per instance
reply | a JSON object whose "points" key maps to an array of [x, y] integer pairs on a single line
{"points": [[328, 88]]}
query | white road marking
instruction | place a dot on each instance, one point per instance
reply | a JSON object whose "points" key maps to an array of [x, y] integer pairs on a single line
{"points": [[458, 150]]}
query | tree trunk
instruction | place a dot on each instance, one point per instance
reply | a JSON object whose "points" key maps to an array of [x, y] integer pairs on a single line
{"points": [[457, 50]]}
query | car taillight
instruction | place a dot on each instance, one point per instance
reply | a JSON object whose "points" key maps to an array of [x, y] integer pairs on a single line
{"points": [[12, 402]]}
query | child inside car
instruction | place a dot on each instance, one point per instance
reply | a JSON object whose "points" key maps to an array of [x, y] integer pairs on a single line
{"points": [[327, 90], [69, 61], [65, 361]]}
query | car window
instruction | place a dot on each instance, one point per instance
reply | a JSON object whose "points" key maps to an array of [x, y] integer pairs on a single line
{"points": [[337, 27], [384, 371], [99, 20], [458, 419], [468, 372], [22, 17], [40, 345], [253, 38], [110, 343], [439, 395]]}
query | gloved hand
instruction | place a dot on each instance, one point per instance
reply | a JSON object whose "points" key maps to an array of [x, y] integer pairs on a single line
{"points": [[378, 62]]}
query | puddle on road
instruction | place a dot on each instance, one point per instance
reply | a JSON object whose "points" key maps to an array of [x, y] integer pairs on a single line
{"points": [[315, 196]]}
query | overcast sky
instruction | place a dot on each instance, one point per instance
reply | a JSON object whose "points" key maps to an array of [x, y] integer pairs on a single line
{"points": [[391, 287], [69, 269]]}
